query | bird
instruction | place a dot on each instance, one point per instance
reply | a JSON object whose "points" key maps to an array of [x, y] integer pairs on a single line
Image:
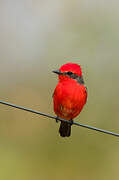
{"points": [[70, 95]]}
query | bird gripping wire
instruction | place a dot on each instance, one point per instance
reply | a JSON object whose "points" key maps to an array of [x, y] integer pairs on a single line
{"points": [[60, 119]]}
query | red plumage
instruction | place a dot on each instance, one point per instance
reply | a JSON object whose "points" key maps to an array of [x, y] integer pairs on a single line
{"points": [[70, 95]]}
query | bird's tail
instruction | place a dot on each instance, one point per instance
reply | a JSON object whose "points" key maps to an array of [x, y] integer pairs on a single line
{"points": [[65, 129]]}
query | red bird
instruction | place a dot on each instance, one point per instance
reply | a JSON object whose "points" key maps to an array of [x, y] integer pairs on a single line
{"points": [[70, 95]]}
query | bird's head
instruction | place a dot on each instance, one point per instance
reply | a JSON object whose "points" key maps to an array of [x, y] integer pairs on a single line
{"points": [[69, 70]]}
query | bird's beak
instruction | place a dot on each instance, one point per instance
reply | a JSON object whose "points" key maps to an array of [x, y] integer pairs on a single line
{"points": [[57, 72]]}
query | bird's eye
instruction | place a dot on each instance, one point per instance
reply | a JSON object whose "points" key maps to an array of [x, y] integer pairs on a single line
{"points": [[69, 73]]}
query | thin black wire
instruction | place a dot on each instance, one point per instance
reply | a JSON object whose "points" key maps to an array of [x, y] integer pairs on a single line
{"points": [[60, 119]]}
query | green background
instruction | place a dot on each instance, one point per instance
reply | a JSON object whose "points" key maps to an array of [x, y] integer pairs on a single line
{"points": [[37, 37]]}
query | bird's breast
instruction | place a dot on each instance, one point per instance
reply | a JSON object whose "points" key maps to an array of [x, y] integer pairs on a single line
{"points": [[69, 99]]}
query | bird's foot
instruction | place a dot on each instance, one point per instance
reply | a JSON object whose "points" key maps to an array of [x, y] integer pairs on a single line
{"points": [[57, 120], [71, 122]]}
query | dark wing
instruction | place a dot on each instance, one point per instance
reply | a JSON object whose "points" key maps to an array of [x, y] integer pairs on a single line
{"points": [[86, 93]]}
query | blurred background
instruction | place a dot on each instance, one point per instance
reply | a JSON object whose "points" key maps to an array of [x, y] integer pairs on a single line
{"points": [[37, 37]]}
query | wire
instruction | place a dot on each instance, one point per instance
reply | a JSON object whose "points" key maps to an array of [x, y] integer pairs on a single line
{"points": [[60, 119]]}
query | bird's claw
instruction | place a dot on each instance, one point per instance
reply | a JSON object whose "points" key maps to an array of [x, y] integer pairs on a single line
{"points": [[57, 120], [71, 122]]}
